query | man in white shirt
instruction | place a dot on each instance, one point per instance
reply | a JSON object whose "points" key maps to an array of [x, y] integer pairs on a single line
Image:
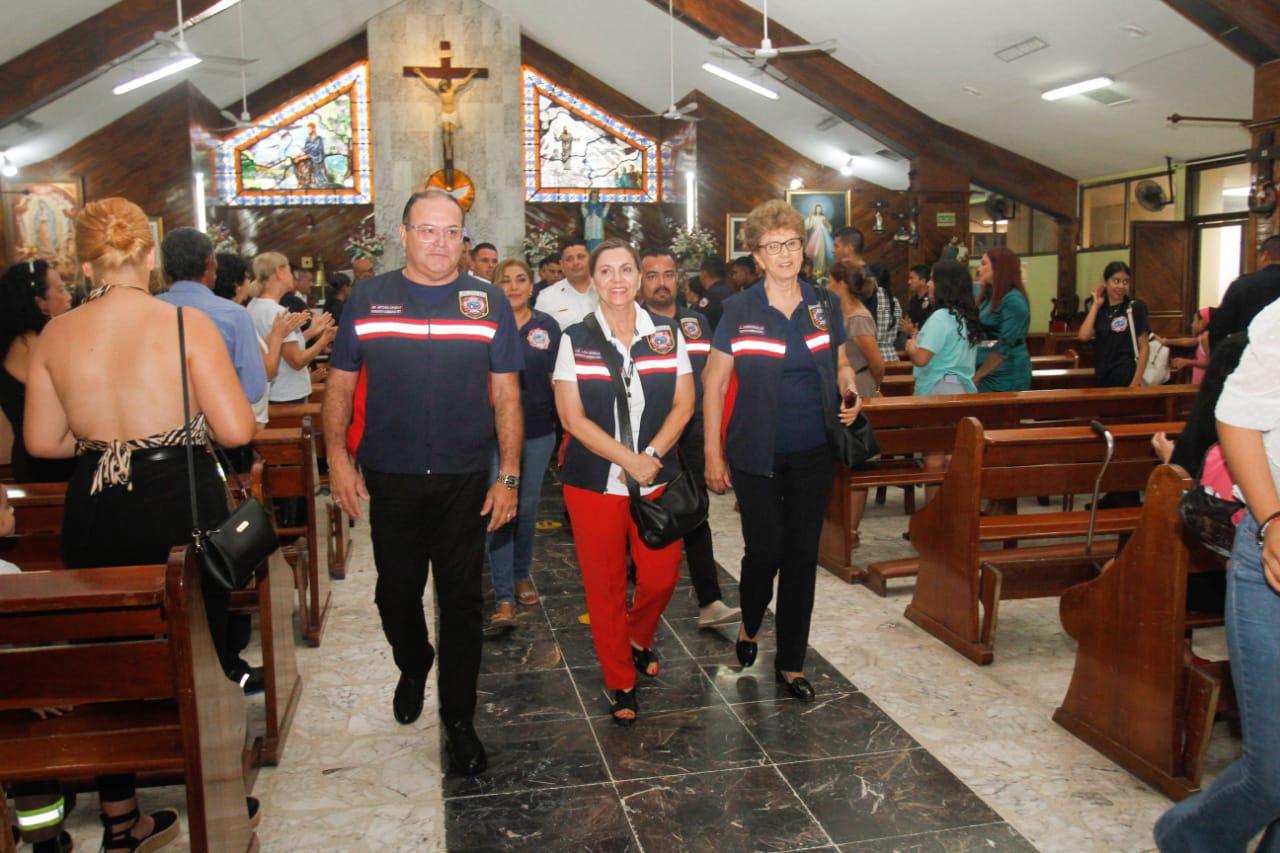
{"points": [[293, 381], [572, 298]]}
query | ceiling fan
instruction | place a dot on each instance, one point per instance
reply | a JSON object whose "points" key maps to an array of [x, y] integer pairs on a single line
{"points": [[766, 51], [179, 49], [673, 112], [242, 121]]}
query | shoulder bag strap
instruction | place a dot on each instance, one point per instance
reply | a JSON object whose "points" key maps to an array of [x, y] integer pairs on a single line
{"points": [[1133, 334], [186, 433], [622, 413], [824, 297]]}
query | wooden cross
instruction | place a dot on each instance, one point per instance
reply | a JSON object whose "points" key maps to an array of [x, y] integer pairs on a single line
{"points": [[446, 74]]}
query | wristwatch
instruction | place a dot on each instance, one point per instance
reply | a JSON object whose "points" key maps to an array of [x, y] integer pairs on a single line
{"points": [[1262, 528], [651, 451], [511, 481]]}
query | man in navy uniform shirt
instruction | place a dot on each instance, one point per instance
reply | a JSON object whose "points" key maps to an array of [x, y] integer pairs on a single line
{"points": [[437, 346]]}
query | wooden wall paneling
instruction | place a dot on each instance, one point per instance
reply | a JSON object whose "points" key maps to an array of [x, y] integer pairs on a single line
{"points": [[1162, 274], [1266, 105], [84, 47], [884, 115]]}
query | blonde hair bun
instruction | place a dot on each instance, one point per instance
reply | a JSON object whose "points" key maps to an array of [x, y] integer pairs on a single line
{"points": [[113, 233]]}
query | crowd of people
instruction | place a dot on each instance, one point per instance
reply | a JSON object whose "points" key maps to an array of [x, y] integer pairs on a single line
{"points": [[453, 384]]}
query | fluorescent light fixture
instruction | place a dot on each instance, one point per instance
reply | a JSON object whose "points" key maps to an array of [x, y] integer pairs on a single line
{"points": [[797, 183], [1077, 88], [220, 6], [7, 168], [741, 81], [690, 200], [1228, 192], [181, 63], [201, 222]]}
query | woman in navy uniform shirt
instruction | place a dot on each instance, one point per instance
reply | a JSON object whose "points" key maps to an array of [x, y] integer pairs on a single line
{"points": [[511, 546], [1118, 326], [776, 340], [659, 387]]}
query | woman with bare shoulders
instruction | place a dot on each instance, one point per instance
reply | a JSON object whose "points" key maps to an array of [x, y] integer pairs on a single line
{"points": [[104, 385]]}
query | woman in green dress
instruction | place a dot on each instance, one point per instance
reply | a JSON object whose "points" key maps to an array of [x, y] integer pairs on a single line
{"points": [[1003, 361]]}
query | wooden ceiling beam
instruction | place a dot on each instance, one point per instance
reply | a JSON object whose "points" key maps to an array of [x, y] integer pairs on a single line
{"points": [[1248, 28], [849, 95], [59, 63]]}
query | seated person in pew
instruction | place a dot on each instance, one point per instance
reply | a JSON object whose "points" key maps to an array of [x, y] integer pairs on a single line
{"points": [[1244, 799], [944, 351], [91, 394]]}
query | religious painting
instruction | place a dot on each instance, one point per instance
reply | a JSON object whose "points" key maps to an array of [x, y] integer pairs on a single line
{"points": [[735, 236], [573, 148], [679, 153], [39, 222], [824, 212], [314, 149]]}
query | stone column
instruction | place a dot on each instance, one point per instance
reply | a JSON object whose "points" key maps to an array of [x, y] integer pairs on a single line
{"points": [[406, 116]]}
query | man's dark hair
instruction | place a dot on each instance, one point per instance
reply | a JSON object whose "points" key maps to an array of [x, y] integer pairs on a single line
{"points": [[478, 246], [185, 252], [339, 280], [658, 252], [1271, 248], [574, 241], [922, 271], [553, 258], [231, 274], [851, 237], [746, 262], [423, 196], [713, 266]]}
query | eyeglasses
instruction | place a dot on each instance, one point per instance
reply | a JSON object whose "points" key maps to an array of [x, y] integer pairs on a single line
{"points": [[431, 233], [792, 245]]}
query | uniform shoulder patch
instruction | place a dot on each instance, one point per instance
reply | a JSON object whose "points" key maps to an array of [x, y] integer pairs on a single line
{"points": [[818, 316], [662, 341], [1120, 323], [691, 327], [473, 303]]}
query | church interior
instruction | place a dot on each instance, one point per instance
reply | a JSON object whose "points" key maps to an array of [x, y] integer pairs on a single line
{"points": [[990, 675]]}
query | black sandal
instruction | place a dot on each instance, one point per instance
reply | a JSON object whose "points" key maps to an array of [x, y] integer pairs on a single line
{"points": [[645, 659], [623, 701], [164, 831]]}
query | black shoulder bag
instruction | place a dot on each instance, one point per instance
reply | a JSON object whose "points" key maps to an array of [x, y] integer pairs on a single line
{"points": [[854, 445], [682, 506], [231, 552], [1207, 517]]}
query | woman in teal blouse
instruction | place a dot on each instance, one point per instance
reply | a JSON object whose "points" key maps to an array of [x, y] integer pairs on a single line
{"points": [[1003, 361]]}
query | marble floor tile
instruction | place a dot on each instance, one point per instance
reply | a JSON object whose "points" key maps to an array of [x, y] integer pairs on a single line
{"points": [[757, 683], [717, 643], [562, 611], [727, 811], [526, 697], [876, 796], [532, 756], [578, 649], [989, 838], [679, 685], [584, 818], [674, 742], [529, 647], [835, 725]]}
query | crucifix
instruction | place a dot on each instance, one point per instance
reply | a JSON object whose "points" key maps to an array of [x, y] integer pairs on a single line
{"points": [[447, 82]]}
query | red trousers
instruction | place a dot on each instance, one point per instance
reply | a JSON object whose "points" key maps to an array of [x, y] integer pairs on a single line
{"points": [[601, 527]]}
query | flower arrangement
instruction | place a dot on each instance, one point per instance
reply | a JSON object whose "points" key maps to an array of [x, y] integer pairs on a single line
{"points": [[222, 239], [693, 245], [540, 242], [366, 244]]}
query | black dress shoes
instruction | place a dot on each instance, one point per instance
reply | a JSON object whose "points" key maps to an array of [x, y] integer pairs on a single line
{"points": [[746, 650], [798, 687], [463, 749], [407, 704]]}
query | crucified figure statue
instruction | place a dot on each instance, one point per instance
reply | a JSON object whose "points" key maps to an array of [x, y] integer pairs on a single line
{"points": [[448, 92]]}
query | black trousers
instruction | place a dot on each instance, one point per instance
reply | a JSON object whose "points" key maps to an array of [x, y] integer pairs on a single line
{"points": [[781, 522], [697, 545], [418, 521]]}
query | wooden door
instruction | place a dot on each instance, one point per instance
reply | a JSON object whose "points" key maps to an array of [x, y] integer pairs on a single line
{"points": [[1161, 261]]}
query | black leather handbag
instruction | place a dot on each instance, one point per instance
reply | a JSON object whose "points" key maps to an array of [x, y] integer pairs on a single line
{"points": [[231, 552], [682, 507], [854, 445], [1207, 517]]}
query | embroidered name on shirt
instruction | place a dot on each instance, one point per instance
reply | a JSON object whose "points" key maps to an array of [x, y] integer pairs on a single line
{"points": [[384, 310], [750, 329]]}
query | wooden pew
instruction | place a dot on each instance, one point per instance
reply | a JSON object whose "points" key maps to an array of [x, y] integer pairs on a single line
{"points": [[290, 455], [129, 647], [1041, 380], [959, 585], [907, 425], [1135, 695], [1068, 360], [291, 415], [37, 545]]}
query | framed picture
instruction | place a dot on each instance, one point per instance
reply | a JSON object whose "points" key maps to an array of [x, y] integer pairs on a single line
{"points": [[984, 241], [39, 222], [735, 236], [824, 212]]}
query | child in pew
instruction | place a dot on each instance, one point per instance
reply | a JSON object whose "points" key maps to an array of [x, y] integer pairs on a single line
{"points": [[944, 350]]}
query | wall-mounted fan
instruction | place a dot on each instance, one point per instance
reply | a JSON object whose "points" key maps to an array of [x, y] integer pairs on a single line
{"points": [[1262, 198], [766, 50], [1151, 195], [999, 208]]}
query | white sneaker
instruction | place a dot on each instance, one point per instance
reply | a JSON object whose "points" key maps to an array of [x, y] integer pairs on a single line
{"points": [[718, 613]]}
